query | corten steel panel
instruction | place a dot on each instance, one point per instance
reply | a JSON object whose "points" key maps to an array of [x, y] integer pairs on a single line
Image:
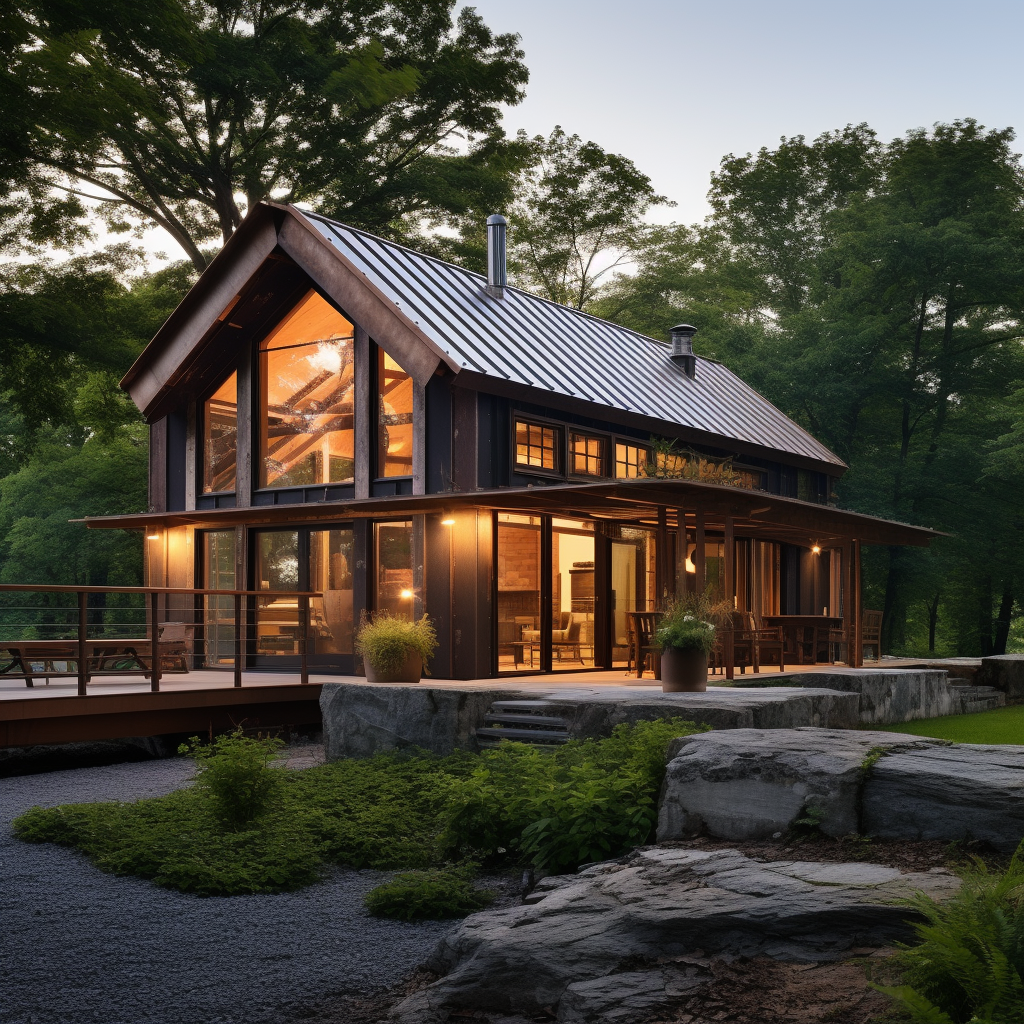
{"points": [[526, 340], [158, 465]]}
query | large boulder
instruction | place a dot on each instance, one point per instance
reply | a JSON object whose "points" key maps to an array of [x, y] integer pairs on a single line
{"points": [[955, 791], [753, 783], [590, 943]]}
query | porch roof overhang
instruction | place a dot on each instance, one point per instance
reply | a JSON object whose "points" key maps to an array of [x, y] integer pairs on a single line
{"points": [[754, 513]]}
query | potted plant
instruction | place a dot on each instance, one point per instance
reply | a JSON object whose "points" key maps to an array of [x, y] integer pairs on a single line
{"points": [[395, 650], [686, 636]]}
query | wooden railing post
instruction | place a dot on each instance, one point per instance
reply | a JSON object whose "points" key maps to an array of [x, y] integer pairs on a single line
{"points": [[154, 675], [303, 632], [238, 639], [83, 635]]}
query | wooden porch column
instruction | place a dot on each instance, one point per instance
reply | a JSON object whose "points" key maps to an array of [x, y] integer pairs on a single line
{"points": [[848, 617], [858, 631], [682, 577], [661, 565], [699, 576], [730, 594]]}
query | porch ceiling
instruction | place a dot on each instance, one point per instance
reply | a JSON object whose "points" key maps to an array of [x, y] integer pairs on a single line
{"points": [[754, 513]]}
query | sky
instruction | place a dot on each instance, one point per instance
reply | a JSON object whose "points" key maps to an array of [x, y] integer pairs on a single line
{"points": [[675, 86]]}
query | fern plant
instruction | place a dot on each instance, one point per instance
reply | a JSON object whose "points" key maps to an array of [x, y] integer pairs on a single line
{"points": [[968, 966]]}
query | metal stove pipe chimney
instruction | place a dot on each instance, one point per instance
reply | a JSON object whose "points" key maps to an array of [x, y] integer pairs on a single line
{"points": [[682, 349], [496, 273]]}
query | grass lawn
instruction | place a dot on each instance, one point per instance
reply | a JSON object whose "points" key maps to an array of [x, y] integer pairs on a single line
{"points": [[1004, 725]]}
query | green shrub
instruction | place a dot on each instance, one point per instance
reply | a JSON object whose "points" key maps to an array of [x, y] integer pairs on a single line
{"points": [[428, 895], [969, 964], [583, 802], [238, 775], [385, 641]]}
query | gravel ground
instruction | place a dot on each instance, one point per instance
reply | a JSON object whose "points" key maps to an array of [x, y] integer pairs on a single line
{"points": [[81, 947]]}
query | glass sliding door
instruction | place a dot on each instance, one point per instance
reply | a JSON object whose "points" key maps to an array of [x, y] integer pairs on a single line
{"points": [[519, 578], [330, 572], [218, 560], [277, 569], [392, 548], [632, 583], [573, 605]]}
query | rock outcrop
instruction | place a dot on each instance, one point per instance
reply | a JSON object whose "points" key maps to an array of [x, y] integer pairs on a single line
{"points": [[751, 784], [627, 936]]}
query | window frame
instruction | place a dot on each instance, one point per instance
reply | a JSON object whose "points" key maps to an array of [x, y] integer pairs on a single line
{"points": [[256, 404], [630, 442], [200, 432], [606, 441], [559, 448]]}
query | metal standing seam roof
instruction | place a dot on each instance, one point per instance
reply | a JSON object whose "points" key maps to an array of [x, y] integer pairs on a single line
{"points": [[529, 340]]}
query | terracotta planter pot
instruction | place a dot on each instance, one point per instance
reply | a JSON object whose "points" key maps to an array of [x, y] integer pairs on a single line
{"points": [[408, 672], [684, 671]]}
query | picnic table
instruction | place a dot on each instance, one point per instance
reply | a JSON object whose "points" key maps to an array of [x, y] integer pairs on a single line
{"points": [[105, 656]]}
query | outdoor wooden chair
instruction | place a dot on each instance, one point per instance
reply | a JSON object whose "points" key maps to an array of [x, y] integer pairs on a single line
{"points": [[644, 626], [767, 640], [871, 634]]}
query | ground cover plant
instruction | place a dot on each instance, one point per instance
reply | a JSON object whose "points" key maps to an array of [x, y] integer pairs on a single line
{"points": [[247, 825], [1002, 726]]}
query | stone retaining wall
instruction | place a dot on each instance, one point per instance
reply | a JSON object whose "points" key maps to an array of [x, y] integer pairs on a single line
{"points": [[887, 696], [360, 719], [1006, 673]]}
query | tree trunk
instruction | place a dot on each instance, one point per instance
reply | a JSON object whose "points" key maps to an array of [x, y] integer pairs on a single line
{"points": [[985, 616], [1003, 622], [894, 613], [933, 618]]}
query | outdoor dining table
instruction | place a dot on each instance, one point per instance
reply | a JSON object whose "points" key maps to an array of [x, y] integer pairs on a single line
{"points": [[801, 634]]}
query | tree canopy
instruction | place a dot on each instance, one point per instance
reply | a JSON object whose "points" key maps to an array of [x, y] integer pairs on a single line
{"points": [[186, 113]]}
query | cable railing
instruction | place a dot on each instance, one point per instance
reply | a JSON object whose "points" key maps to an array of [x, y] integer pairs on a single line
{"points": [[161, 630]]}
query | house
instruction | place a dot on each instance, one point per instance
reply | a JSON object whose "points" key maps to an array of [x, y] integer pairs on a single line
{"points": [[336, 413]]}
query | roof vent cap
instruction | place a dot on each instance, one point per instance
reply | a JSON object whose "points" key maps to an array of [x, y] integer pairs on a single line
{"points": [[497, 277], [682, 349]]}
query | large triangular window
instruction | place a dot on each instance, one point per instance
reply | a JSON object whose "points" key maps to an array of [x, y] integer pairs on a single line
{"points": [[306, 381]]}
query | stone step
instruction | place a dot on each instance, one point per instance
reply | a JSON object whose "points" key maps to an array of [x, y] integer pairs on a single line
{"points": [[530, 721], [522, 707], [491, 737]]}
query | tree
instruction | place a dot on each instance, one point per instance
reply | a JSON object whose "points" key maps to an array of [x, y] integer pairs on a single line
{"points": [[577, 216], [876, 294], [185, 113]]}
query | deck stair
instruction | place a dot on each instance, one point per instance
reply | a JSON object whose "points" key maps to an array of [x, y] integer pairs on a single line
{"points": [[526, 721], [976, 698]]}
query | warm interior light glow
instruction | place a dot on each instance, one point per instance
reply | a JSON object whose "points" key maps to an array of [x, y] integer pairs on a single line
{"points": [[152, 536], [816, 549], [448, 520], [406, 594], [690, 567]]}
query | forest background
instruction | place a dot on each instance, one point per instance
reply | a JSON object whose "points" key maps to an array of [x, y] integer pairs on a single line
{"points": [[872, 290]]}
